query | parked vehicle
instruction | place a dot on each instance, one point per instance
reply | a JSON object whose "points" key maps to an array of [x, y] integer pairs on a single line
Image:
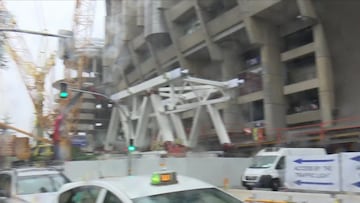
{"points": [[161, 186], [30, 184], [267, 169]]}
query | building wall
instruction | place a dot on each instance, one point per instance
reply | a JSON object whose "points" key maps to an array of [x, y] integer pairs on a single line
{"points": [[338, 18], [214, 45]]}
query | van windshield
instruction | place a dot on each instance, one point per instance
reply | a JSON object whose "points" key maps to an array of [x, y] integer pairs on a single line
{"points": [[263, 161]]}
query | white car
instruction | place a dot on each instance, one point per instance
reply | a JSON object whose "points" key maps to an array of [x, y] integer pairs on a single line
{"points": [[162, 187], [30, 184]]}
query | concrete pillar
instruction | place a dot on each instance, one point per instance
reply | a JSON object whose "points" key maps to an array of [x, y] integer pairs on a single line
{"points": [[214, 50], [265, 34], [154, 30], [135, 60], [323, 62], [324, 74], [231, 66], [175, 34], [154, 53], [273, 82]]}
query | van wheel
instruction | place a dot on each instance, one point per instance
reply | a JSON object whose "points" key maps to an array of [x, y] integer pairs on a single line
{"points": [[249, 187], [275, 184], [265, 181]]}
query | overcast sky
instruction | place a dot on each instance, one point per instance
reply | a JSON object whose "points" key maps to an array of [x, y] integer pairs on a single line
{"points": [[38, 15]]}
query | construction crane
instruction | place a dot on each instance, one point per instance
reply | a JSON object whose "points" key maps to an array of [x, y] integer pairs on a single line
{"points": [[83, 23], [33, 75]]}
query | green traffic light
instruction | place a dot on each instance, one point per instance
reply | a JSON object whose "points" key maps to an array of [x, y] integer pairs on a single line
{"points": [[64, 94], [63, 90], [131, 148]]}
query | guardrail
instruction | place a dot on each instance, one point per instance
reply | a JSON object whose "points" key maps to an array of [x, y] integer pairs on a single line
{"points": [[244, 135], [318, 130]]}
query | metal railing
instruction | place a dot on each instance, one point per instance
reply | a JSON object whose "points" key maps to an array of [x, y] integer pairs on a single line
{"points": [[319, 131]]}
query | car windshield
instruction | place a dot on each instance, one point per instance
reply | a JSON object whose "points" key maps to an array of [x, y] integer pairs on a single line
{"points": [[40, 184], [212, 195], [263, 161]]}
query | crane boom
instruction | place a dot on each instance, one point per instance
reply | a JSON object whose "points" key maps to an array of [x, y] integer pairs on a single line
{"points": [[4, 125], [83, 22]]}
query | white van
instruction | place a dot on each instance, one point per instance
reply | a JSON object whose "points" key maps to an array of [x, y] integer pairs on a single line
{"points": [[267, 167]]}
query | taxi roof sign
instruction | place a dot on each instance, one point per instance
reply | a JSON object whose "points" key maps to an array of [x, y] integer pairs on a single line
{"points": [[164, 178]]}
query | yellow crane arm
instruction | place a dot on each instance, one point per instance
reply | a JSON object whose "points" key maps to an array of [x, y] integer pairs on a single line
{"points": [[16, 41], [83, 22], [4, 125], [32, 75]]}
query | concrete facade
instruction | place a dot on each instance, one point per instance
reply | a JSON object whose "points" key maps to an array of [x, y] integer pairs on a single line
{"points": [[298, 57]]}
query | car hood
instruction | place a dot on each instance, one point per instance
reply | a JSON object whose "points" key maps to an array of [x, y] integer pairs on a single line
{"points": [[40, 197]]}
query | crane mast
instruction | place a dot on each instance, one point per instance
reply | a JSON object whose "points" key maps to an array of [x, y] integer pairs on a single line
{"points": [[83, 23], [32, 74]]}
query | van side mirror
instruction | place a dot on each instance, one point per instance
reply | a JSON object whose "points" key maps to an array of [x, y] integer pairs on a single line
{"points": [[281, 164]]}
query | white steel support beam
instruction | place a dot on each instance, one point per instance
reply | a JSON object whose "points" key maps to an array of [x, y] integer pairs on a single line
{"points": [[142, 123], [112, 129], [189, 106], [227, 84], [186, 88], [162, 119], [119, 114], [150, 84], [195, 130], [126, 123], [171, 94], [135, 107], [218, 124], [179, 128], [191, 95]]}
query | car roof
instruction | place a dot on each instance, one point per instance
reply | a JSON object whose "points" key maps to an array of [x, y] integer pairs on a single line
{"points": [[140, 186], [36, 171], [31, 171]]}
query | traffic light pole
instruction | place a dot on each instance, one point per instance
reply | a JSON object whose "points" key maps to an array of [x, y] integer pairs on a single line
{"points": [[129, 163], [59, 120], [57, 127], [131, 148], [89, 92], [33, 32]]}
